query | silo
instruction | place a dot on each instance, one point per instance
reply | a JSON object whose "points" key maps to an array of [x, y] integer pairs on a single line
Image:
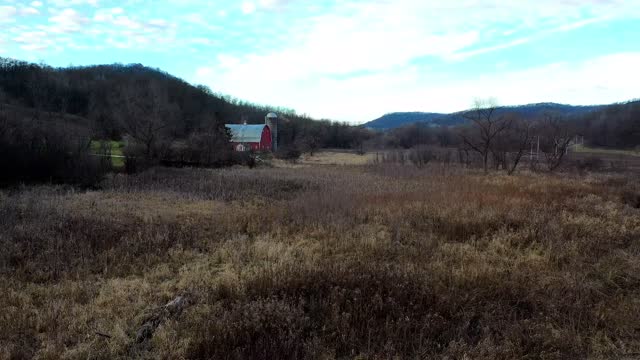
{"points": [[271, 120]]}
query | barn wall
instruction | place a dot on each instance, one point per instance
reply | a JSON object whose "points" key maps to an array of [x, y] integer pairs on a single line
{"points": [[265, 140]]}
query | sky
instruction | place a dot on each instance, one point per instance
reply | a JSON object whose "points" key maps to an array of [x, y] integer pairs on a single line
{"points": [[350, 60]]}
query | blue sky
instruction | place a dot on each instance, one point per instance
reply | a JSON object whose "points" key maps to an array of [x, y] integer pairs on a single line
{"points": [[350, 60]]}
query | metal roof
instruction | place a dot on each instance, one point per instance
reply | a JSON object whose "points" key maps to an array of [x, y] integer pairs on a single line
{"points": [[243, 133]]}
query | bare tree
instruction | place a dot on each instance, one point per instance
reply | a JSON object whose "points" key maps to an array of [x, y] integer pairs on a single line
{"points": [[310, 144], [146, 113], [555, 138], [509, 147], [463, 156], [4, 98], [486, 126], [39, 94], [209, 145]]}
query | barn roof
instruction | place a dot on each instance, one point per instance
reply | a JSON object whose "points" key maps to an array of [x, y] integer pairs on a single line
{"points": [[242, 133]]}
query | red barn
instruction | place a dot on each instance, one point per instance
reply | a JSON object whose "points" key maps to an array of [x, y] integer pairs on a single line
{"points": [[246, 137]]}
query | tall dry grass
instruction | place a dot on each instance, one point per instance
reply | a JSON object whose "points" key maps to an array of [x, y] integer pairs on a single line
{"points": [[371, 262]]}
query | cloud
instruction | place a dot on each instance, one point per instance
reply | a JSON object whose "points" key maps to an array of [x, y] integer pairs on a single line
{"points": [[381, 55], [8, 13], [67, 20], [370, 36], [107, 14], [248, 7], [29, 11], [68, 3], [71, 28], [34, 40], [125, 31], [367, 50], [274, 4], [604, 79]]}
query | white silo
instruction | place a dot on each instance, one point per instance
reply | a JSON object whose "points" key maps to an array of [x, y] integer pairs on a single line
{"points": [[272, 121]]}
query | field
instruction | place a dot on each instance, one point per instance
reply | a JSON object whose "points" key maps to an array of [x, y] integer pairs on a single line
{"points": [[323, 262], [607, 159], [591, 150], [117, 160]]}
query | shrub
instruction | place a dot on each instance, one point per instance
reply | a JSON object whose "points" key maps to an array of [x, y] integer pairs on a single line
{"points": [[590, 163], [245, 158], [420, 156], [631, 198], [34, 152], [260, 329], [289, 153]]}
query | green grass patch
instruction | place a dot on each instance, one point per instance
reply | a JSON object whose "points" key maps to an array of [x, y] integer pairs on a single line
{"points": [[116, 151], [116, 146]]}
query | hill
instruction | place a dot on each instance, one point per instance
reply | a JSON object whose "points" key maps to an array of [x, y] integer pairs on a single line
{"points": [[394, 120], [530, 111], [108, 97]]}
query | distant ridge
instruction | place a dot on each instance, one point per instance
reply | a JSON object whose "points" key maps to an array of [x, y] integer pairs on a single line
{"points": [[529, 111]]}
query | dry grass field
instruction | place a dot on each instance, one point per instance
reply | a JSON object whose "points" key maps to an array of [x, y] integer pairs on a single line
{"points": [[590, 150], [338, 158], [323, 262]]}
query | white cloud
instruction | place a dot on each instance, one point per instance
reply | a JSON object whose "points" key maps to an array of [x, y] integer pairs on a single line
{"points": [[352, 61], [158, 23], [364, 52], [68, 3], [248, 7], [29, 11], [8, 13], [107, 14], [273, 4], [600, 80], [34, 40], [125, 31], [67, 20]]}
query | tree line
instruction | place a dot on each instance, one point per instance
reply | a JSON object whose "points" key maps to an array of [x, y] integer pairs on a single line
{"points": [[161, 117], [495, 139]]}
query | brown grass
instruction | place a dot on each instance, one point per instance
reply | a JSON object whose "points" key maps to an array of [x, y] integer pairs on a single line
{"points": [[337, 158], [324, 262]]}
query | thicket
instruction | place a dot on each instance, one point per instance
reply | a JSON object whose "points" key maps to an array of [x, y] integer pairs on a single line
{"points": [[157, 111], [35, 151]]}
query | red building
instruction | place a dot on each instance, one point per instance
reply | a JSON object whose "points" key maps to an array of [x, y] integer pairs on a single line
{"points": [[246, 137]]}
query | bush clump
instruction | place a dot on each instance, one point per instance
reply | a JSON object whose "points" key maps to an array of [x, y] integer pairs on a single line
{"points": [[289, 153], [38, 153]]}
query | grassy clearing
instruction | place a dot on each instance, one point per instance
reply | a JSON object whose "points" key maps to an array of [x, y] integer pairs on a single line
{"points": [[324, 262], [591, 150], [116, 151], [337, 158]]}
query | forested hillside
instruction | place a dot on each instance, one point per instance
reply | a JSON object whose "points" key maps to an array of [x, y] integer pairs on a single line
{"points": [[54, 120], [133, 99], [530, 111], [614, 126]]}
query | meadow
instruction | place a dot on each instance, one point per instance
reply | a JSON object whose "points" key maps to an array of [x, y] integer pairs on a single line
{"points": [[321, 262]]}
